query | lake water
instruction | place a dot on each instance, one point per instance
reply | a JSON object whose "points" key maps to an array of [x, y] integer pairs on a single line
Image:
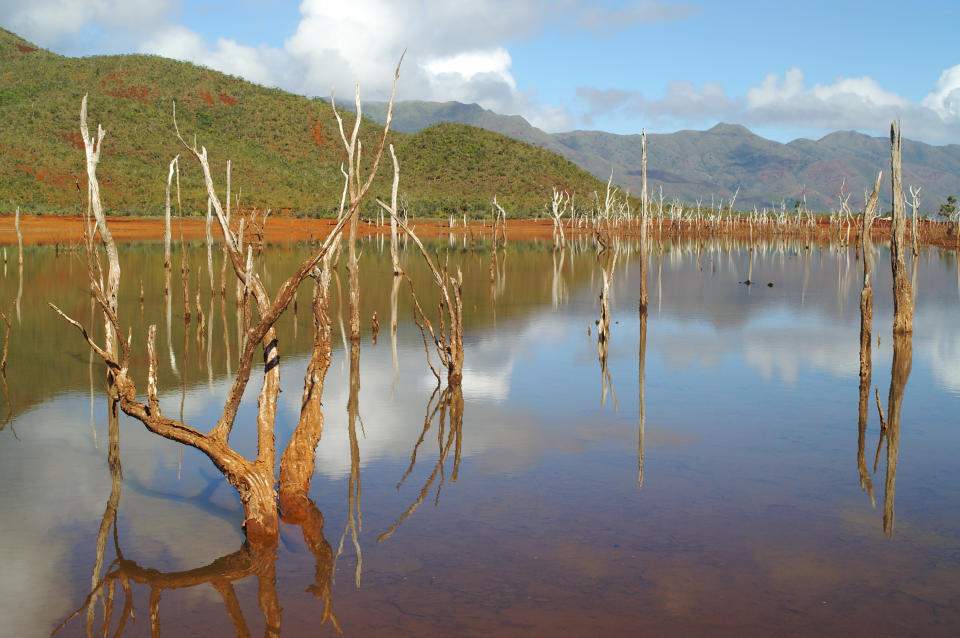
{"points": [[733, 506]]}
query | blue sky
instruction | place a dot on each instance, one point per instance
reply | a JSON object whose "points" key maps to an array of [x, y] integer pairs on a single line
{"points": [[785, 70]]}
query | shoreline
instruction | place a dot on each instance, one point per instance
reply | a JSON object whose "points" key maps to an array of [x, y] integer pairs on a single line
{"points": [[67, 230]]}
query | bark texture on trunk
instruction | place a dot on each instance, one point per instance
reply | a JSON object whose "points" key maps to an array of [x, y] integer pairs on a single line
{"points": [[902, 291]]}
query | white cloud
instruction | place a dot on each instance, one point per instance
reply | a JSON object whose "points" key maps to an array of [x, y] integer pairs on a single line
{"points": [[58, 23], [256, 64], [944, 99]]}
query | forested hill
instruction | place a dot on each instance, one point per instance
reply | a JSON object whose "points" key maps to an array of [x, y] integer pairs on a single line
{"points": [[285, 149]]}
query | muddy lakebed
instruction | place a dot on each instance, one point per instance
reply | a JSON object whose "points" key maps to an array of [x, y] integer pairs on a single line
{"points": [[708, 476]]}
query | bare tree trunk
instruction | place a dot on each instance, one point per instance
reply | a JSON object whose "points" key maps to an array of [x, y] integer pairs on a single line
{"points": [[353, 277], [902, 293], [166, 216], [866, 295], [92, 149], [16, 224], [394, 252], [866, 321], [210, 247], [644, 212]]}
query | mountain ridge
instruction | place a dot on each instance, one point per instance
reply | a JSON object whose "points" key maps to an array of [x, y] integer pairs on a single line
{"points": [[692, 165]]}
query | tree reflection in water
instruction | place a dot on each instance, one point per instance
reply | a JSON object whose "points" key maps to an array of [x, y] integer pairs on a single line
{"points": [[449, 406], [254, 558]]}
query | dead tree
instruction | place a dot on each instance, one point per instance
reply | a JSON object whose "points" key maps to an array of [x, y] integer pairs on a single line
{"points": [[866, 295], [644, 215], [397, 269], [866, 322], [448, 338], [449, 343], [914, 229], [357, 188], [558, 208], [902, 291], [253, 478]]}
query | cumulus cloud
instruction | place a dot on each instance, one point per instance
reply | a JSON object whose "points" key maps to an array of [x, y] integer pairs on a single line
{"points": [[60, 24], [256, 64], [944, 99]]}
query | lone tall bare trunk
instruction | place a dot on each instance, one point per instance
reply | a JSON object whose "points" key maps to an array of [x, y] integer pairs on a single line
{"points": [[644, 213], [902, 291]]}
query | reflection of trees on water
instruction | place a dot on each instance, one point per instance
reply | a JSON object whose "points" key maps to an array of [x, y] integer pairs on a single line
{"points": [[448, 407], [608, 259], [899, 373], [642, 382], [254, 558], [559, 291], [354, 522], [866, 327], [8, 419]]}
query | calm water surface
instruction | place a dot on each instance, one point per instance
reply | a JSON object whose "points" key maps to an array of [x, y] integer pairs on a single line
{"points": [[733, 506]]}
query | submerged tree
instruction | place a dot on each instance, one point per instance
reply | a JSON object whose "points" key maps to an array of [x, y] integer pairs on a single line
{"points": [[254, 478], [866, 323], [902, 291]]}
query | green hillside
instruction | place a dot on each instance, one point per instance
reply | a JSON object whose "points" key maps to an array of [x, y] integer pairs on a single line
{"points": [[285, 149]]}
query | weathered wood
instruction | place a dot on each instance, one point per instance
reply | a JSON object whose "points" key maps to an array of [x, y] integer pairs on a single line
{"points": [[902, 291]]}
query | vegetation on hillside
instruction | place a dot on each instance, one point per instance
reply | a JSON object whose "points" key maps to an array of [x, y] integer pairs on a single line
{"points": [[284, 148]]}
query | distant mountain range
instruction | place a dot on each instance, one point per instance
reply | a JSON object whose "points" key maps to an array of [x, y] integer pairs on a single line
{"points": [[695, 165]]}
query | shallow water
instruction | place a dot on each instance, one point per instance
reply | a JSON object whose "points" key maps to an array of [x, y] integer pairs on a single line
{"points": [[734, 506]]}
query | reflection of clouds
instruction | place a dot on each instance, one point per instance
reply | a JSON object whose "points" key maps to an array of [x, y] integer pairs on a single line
{"points": [[817, 345], [939, 343], [56, 487], [490, 386], [685, 343], [775, 344]]}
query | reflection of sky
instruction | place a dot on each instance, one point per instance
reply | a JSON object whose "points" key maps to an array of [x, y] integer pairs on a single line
{"points": [[743, 387]]}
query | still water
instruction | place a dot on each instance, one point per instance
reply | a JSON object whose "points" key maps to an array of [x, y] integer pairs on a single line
{"points": [[705, 481]]}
